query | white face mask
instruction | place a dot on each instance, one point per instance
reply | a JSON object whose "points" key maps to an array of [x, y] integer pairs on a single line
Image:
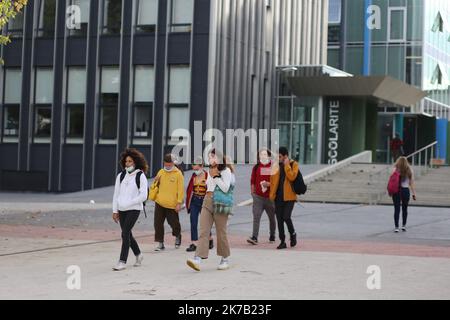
{"points": [[265, 161], [130, 169], [169, 169], [199, 172]]}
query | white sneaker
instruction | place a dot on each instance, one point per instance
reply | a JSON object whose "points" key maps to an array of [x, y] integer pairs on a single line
{"points": [[397, 230], [194, 263], [224, 265], [120, 266], [139, 259], [160, 247]]}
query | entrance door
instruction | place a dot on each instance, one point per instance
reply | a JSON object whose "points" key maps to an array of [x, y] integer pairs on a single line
{"points": [[385, 132]]}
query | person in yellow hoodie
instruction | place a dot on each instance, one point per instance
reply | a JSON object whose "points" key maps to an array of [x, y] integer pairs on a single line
{"points": [[282, 192], [168, 201]]}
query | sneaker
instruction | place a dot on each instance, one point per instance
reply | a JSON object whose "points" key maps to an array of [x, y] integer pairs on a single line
{"points": [[293, 240], [211, 244], [252, 240], [272, 239], [397, 230], [223, 264], [120, 266], [192, 248], [404, 229], [178, 242], [160, 247], [139, 259], [282, 246], [194, 263]]}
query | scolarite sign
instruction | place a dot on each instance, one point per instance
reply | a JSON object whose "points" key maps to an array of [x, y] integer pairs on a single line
{"points": [[333, 132]]}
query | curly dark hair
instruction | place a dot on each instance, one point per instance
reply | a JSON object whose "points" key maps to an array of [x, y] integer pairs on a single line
{"points": [[138, 158]]}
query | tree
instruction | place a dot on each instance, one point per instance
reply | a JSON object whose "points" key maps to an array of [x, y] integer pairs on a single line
{"points": [[8, 10]]}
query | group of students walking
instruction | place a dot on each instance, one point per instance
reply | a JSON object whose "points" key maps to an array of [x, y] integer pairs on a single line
{"points": [[209, 201]]}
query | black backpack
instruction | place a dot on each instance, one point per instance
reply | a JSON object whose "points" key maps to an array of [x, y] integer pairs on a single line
{"points": [[299, 185], [138, 184]]}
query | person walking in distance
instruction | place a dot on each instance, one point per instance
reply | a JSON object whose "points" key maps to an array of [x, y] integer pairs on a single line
{"points": [[130, 192], [195, 195], [169, 199], [260, 188], [217, 206], [282, 192], [401, 199]]}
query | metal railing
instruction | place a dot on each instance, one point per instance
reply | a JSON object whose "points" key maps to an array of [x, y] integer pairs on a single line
{"points": [[421, 159]]}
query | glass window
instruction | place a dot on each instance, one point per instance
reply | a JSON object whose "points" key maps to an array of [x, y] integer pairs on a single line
{"points": [[112, 16], [43, 122], [438, 25], [180, 84], [110, 86], [75, 121], [11, 121], [147, 15], [76, 86], [397, 24], [334, 13], [178, 119], [13, 85], [144, 85], [108, 122], [81, 26], [182, 15], [143, 121], [15, 25], [46, 20], [44, 86], [284, 109]]}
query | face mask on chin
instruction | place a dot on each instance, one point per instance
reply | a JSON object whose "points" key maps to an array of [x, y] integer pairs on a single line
{"points": [[198, 172], [130, 169], [169, 169], [265, 161]]}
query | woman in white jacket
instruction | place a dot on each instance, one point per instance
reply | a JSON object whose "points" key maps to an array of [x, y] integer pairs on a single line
{"points": [[129, 195]]}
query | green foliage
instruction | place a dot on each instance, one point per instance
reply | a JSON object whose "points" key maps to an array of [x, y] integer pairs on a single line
{"points": [[9, 10]]}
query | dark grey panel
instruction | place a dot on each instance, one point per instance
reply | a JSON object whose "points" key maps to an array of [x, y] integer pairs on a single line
{"points": [[144, 49], [76, 51], [8, 159], [105, 166], [44, 52], [72, 168], [109, 50], [39, 157], [12, 53], [179, 48]]}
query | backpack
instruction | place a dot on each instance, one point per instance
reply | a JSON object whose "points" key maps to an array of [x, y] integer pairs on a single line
{"points": [[138, 184], [394, 183], [299, 185]]}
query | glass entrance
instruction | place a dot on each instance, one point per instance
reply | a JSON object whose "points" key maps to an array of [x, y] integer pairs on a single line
{"points": [[385, 133]]}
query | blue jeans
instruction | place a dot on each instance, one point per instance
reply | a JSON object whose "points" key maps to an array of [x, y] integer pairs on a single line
{"points": [[196, 208], [401, 199]]}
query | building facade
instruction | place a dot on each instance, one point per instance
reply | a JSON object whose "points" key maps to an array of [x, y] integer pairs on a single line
{"points": [[408, 40], [84, 79]]}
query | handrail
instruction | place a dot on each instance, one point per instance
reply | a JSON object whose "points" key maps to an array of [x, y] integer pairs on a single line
{"points": [[423, 149]]}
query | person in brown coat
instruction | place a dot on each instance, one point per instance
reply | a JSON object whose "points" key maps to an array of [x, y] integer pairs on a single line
{"points": [[282, 192]]}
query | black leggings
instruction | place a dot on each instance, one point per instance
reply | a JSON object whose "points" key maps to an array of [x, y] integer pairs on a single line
{"points": [[401, 199], [283, 212], [127, 221]]}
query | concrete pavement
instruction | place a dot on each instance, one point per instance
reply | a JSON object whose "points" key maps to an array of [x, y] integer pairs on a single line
{"points": [[338, 243]]}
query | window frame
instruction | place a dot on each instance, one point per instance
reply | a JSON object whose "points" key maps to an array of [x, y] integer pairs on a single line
{"points": [[4, 136], [137, 140], [79, 33], [37, 138], [405, 24], [173, 27], [170, 107], [138, 27], [41, 32], [16, 33], [102, 105], [104, 28]]}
